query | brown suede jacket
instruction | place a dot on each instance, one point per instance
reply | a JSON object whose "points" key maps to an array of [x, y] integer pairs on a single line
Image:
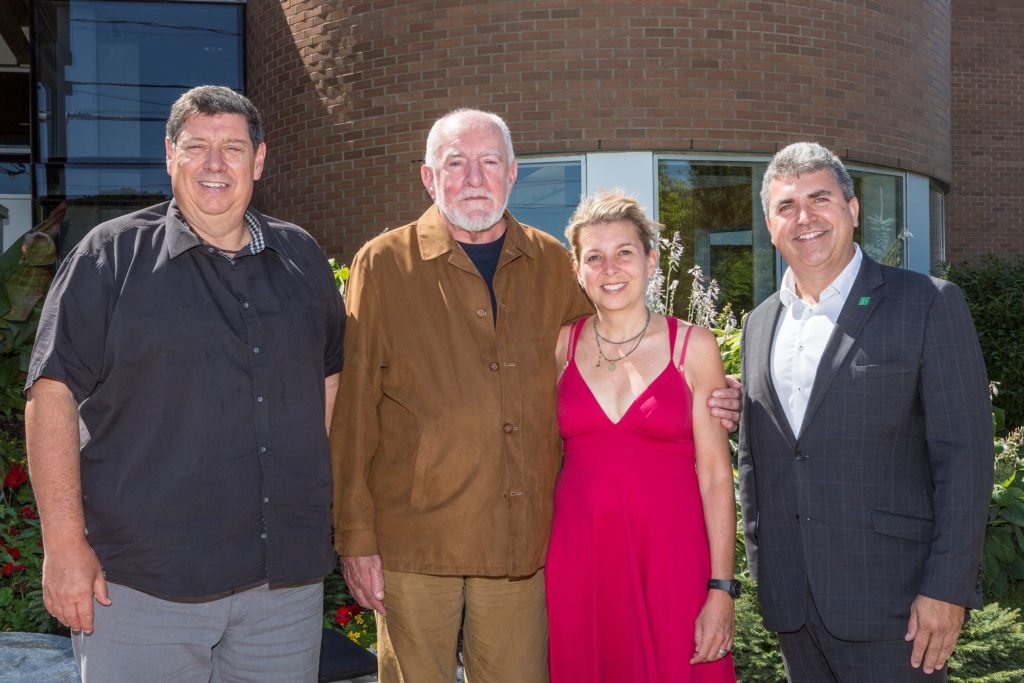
{"points": [[444, 439]]}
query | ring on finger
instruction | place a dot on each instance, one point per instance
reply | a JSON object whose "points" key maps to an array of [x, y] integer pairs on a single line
{"points": [[722, 652]]}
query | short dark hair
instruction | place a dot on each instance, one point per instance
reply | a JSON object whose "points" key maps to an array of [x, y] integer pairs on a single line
{"points": [[210, 100]]}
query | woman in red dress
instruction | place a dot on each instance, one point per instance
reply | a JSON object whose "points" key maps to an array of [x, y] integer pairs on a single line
{"points": [[644, 507]]}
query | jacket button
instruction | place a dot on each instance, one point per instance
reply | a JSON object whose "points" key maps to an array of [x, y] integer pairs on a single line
{"points": [[508, 428], [494, 366], [801, 455], [481, 313]]}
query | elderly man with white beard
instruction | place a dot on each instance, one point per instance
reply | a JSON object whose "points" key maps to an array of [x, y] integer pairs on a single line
{"points": [[444, 439]]}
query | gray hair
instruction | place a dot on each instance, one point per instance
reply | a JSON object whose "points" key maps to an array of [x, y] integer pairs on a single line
{"points": [[805, 157], [450, 120], [211, 100]]}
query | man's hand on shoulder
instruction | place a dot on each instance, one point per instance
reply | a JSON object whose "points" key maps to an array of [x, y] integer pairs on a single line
{"points": [[934, 627], [364, 575], [72, 576], [726, 404]]}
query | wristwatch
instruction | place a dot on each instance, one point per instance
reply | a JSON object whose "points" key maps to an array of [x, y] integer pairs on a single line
{"points": [[732, 587]]}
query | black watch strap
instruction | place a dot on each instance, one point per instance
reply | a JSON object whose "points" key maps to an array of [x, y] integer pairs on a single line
{"points": [[732, 587]]}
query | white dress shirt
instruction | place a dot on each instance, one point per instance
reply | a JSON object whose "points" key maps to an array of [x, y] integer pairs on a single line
{"points": [[801, 335]]}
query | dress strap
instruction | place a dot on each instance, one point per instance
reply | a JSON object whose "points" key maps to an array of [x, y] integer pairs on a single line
{"points": [[686, 341], [574, 338], [673, 327]]}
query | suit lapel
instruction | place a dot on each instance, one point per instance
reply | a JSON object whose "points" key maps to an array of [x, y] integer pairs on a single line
{"points": [[865, 295], [763, 359]]}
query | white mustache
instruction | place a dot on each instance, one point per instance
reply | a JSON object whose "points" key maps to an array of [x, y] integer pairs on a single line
{"points": [[475, 194]]}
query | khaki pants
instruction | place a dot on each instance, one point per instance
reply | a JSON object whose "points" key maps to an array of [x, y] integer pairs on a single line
{"points": [[505, 630]]}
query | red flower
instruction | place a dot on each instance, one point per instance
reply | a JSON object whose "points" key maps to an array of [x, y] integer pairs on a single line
{"points": [[345, 614], [27, 512], [14, 553], [8, 569], [16, 476]]}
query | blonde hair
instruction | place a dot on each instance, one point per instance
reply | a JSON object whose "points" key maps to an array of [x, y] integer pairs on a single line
{"points": [[606, 206]]}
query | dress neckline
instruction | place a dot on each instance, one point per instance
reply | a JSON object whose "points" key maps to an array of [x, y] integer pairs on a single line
{"points": [[673, 328]]}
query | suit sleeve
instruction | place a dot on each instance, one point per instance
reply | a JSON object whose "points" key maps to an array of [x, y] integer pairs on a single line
{"points": [[745, 465], [355, 424], [958, 425]]}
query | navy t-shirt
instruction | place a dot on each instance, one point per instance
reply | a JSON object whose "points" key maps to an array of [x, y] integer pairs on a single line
{"points": [[485, 258]]}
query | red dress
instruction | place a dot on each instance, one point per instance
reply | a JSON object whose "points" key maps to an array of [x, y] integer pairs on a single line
{"points": [[628, 564]]}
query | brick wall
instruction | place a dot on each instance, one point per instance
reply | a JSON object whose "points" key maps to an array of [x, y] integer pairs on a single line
{"points": [[349, 90], [985, 207]]}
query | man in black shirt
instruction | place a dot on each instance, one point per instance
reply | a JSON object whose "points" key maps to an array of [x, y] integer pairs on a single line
{"points": [[186, 524]]}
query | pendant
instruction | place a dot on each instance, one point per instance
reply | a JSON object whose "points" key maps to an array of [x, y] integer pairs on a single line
{"points": [[611, 365]]}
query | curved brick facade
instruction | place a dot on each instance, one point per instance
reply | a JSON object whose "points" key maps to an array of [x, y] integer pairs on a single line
{"points": [[984, 211], [349, 90]]}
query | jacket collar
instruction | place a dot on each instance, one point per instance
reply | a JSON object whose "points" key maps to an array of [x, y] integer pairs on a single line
{"points": [[435, 240]]}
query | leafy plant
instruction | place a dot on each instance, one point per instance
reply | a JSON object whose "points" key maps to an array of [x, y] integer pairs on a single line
{"points": [[26, 269], [340, 274], [21, 551], [341, 613], [1003, 557]]}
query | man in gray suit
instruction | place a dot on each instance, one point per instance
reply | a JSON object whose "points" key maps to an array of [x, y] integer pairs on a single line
{"points": [[865, 445]]}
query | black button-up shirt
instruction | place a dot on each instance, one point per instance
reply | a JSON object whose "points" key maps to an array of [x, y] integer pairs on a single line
{"points": [[200, 384]]}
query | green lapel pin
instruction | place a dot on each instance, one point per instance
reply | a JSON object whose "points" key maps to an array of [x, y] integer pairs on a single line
{"points": [[864, 300]]}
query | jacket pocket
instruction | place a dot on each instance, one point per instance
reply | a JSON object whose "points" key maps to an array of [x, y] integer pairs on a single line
{"points": [[917, 529], [878, 370]]}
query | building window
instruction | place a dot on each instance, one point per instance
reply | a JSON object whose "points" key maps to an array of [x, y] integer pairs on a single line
{"points": [[105, 75], [713, 203], [880, 232], [546, 193], [715, 208], [936, 227]]}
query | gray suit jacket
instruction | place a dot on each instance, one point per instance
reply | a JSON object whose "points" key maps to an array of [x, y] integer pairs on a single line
{"points": [[884, 494]]}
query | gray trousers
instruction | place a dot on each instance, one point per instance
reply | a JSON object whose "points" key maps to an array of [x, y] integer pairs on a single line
{"points": [[813, 655], [254, 636]]}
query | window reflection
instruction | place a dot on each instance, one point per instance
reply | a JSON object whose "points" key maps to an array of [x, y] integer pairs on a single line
{"points": [[98, 193], [715, 209], [880, 231], [108, 72], [106, 75], [546, 193], [936, 228]]}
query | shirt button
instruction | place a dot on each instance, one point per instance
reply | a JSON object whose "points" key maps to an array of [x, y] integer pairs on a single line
{"points": [[245, 304], [255, 349], [508, 428], [264, 535], [259, 399], [266, 499], [494, 366], [481, 313], [209, 249], [263, 449]]}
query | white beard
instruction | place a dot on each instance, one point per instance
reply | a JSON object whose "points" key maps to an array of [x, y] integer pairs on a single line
{"points": [[463, 220]]}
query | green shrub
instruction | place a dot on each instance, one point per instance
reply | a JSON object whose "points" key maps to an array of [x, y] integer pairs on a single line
{"points": [[990, 649], [995, 294], [1003, 556], [756, 653]]}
